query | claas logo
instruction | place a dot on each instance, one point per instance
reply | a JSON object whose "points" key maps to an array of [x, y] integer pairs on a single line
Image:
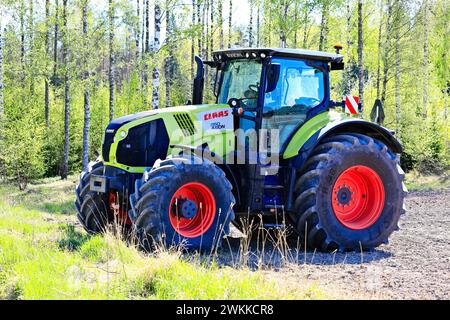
{"points": [[215, 115]]}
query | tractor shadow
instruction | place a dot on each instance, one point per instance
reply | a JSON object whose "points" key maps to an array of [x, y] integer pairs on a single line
{"points": [[273, 253]]}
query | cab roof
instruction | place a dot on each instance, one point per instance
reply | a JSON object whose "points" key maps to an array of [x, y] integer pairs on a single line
{"points": [[277, 52]]}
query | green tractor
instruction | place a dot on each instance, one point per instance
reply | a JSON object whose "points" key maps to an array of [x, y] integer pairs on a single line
{"points": [[273, 146]]}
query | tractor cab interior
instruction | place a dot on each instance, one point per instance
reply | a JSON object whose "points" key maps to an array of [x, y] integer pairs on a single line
{"points": [[293, 87]]}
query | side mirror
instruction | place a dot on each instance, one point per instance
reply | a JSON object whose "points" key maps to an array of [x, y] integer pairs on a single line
{"points": [[337, 65], [272, 77]]}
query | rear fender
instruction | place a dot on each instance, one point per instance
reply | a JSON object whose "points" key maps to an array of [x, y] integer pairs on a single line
{"points": [[345, 125]]}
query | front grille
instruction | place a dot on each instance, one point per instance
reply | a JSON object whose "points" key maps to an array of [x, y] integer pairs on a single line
{"points": [[185, 123], [143, 144]]}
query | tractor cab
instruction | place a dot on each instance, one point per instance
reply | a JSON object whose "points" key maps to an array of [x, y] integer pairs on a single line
{"points": [[274, 88]]}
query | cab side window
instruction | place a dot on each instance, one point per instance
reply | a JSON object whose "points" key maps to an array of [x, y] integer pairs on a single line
{"points": [[300, 87]]}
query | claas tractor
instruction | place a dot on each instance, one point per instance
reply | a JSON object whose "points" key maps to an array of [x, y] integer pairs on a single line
{"points": [[273, 146]]}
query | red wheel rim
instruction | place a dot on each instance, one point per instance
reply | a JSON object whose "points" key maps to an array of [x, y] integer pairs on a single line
{"points": [[200, 195], [358, 197], [118, 209]]}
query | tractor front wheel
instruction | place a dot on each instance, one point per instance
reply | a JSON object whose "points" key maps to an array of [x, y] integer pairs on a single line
{"points": [[182, 201], [93, 207], [349, 194]]}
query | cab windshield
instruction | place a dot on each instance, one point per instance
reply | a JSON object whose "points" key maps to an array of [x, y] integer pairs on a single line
{"points": [[241, 80]]}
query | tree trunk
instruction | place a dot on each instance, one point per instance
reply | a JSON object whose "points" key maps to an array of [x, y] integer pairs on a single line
{"points": [[211, 13], [144, 25], [379, 52], [31, 44], [444, 58], [55, 48], [193, 40], [168, 60], [230, 19], [360, 53], [250, 27], [220, 13], [2, 106], [65, 168], [397, 78], [145, 51], [305, 28], [47, 51], [87, 116], [199, 39], [156, 45], [348, 84], [205, 23], [138, 26], [283, 32], [296, 8], [258, 13], [386, 48], [111, 59], [22, 40], [425, 59], [324, 26]]}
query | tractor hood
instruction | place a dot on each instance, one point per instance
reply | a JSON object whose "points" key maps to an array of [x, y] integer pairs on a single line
{"points": [[133, 142], [202, 112]]}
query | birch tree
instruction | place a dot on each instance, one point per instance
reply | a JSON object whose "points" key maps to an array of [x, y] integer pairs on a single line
{"points": [[193, 39], [156, 45], [360, 52], [397, 66], [2, 105], [47, 51], [55, 49], [425, 58], [220, 22], [65, 169], [386, 49], [250, 26], [324, 25], [230, 19], [87, 115], [111, 59], [379, 46]]}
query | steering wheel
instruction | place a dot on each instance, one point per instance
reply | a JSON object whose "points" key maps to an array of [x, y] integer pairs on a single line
{"points": [[308, 101], [252, 92], [253, 87]]}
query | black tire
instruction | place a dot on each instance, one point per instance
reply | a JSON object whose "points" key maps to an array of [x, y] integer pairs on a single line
{"points": [[93, 211], [314, 218], [153, 194]]}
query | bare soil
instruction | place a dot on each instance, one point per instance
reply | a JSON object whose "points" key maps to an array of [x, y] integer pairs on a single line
{"points": [[414, 265]]}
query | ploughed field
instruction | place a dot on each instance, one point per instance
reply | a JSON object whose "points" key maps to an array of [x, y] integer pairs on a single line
{"points": [[414, 265]]}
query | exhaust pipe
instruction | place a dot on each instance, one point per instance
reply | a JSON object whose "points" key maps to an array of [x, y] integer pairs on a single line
{"points": [[199, 80]]}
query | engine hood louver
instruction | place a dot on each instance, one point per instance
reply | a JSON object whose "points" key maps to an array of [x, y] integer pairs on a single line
{"points": [[185, 123]]}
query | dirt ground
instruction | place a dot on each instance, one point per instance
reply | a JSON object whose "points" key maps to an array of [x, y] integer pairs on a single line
{"points": [[414, 265]]}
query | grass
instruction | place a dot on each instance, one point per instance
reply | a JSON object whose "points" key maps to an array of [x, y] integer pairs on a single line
{"points": [[417, 182], [44, 254]]}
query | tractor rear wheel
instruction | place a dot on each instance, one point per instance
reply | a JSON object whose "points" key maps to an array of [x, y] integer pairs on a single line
{"points": [[93, 207], [182, 201], [349, 194]]}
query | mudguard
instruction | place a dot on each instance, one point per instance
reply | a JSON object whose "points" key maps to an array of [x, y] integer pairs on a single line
{"points": [[323, 125]]}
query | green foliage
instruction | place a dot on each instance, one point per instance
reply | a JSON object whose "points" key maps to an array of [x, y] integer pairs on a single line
{"points": [[30, 150], [21, 145]]}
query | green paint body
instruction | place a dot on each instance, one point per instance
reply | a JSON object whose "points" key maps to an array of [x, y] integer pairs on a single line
{"points": [[221, 142]]}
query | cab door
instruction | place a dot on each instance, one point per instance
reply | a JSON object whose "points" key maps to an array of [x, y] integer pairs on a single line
{"points": [[301, 87]]}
